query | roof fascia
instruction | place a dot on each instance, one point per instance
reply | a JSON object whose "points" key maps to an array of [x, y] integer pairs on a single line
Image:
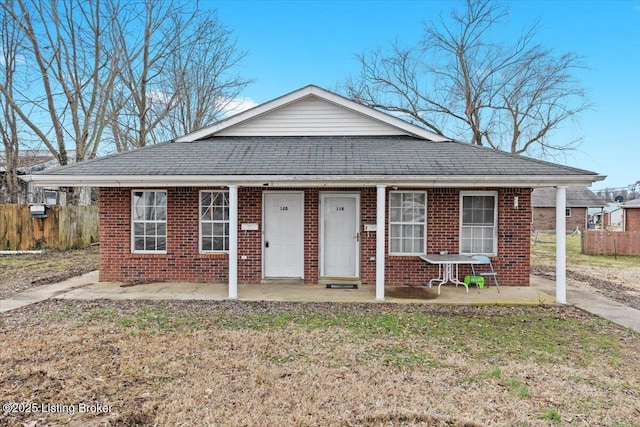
{"points": [[299, 94], [310, 180]]}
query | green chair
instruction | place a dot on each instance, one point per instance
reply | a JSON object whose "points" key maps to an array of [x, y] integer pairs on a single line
{"points": [[474, 280]]}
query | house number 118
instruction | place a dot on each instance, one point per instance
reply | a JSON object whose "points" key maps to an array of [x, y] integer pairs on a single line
{"points": [[340, 208]]}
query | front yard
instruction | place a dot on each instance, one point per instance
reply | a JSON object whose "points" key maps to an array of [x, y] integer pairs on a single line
{"points": [[127, 363], [208, 363]]}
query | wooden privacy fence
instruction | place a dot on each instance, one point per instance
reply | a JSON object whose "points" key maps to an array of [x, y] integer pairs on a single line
{"points": [[65, 227], [597, 242]]}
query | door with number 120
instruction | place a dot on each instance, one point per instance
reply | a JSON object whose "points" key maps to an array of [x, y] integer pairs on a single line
{"points": [[283, 242]]}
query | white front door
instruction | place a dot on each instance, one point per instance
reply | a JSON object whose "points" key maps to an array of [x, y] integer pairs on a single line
{"points": [[340, 237], [283, 241]]}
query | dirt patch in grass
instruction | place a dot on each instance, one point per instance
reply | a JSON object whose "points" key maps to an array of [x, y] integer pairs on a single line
{"points": [[238, 363], [617, 278], [24, 271]]}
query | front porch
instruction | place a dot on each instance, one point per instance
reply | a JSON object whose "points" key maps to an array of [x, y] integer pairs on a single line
{"points": [[309, 293]]}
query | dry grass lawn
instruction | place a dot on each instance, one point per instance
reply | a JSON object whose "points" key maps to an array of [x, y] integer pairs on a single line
{"points": [[281, 364], [21, 272]]}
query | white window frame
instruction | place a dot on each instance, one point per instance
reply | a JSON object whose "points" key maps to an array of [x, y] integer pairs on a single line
{"points": [[424, 224], [567, 212], [200, 222], [134, 221], [494, 194]]}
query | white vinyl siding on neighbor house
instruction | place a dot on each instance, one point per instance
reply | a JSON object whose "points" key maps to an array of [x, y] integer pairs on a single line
{"points": [[149, 221], [478, 222], [214, 221], [407, 222], [311, 116]]}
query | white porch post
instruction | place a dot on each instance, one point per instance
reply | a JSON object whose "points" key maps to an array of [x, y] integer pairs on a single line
{"points": [[561, 245], [380, 233], [233, 242]]}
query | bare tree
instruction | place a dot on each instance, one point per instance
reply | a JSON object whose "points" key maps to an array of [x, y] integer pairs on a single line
{"points": [[10, 44], [203, 73], [67, 74], [459, 78], [175, 77]]}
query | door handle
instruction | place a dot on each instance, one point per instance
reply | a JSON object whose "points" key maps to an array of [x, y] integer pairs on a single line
{"points": [[266, 244], [358, 237]]}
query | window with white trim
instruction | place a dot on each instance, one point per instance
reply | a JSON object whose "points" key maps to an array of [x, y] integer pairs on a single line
{"points": [[149, 221], [407, 213], [214, 221], [478, 222], [567, 212]]}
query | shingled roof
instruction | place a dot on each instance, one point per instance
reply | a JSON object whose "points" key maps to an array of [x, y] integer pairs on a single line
{"points": [[316, 156], [577, 197], [313, 136]]}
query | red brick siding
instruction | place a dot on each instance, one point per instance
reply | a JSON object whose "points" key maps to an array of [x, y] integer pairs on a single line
{"points": [[545, 219], [632, 219], [183, 262]]}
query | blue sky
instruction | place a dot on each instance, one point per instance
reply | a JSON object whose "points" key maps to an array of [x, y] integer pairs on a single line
{"points": [[294, 43]]}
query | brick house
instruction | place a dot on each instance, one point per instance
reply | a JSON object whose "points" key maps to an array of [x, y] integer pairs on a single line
{"points": [[631, 215], [578, 202], [312, 186]]}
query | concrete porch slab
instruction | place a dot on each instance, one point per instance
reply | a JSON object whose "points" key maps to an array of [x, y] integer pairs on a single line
{"points": [[508, 295]]}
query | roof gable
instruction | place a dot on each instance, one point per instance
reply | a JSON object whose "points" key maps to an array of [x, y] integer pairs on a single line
{"points": [[312, 111]]}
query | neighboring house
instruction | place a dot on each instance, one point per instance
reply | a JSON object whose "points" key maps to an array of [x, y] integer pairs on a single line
{"points": [[631, 215], [609, 216], [31, 161], [579, 201], [311, 186]]}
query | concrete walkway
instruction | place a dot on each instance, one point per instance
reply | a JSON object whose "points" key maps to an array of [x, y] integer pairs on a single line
{"points": [[541, 291]]}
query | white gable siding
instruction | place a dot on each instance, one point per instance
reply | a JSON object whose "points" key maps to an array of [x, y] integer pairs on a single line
{"points": [[311, 116]]}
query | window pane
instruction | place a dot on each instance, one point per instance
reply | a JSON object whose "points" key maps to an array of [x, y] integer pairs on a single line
{"points": [[205, 198], [218, 229], [217, 244], [206, 244], [162, 244], [406, 231], [218, 213], [395, 199], [419, 246], [150, 229], [161, 213], [395, 214], [207, 229], [407, 215], [395, 245], [150, 243], [161, 229], [139, 244]]}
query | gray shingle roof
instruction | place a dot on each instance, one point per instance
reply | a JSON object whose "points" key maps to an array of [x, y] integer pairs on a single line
{"points": [[321, 155], [577, 197]]}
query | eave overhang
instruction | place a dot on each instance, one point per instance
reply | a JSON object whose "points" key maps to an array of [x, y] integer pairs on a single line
{"points": [[449, 181]]}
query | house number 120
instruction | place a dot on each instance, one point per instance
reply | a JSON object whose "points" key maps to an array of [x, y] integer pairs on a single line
{"points": [[284, 208]]}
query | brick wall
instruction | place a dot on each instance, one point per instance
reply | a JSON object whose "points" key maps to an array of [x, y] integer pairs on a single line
{"points": [[183, 262], [545, 219], [632, 219]]}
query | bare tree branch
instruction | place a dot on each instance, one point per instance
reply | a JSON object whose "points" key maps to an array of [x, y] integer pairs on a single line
{"points": [[461, 78]]}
